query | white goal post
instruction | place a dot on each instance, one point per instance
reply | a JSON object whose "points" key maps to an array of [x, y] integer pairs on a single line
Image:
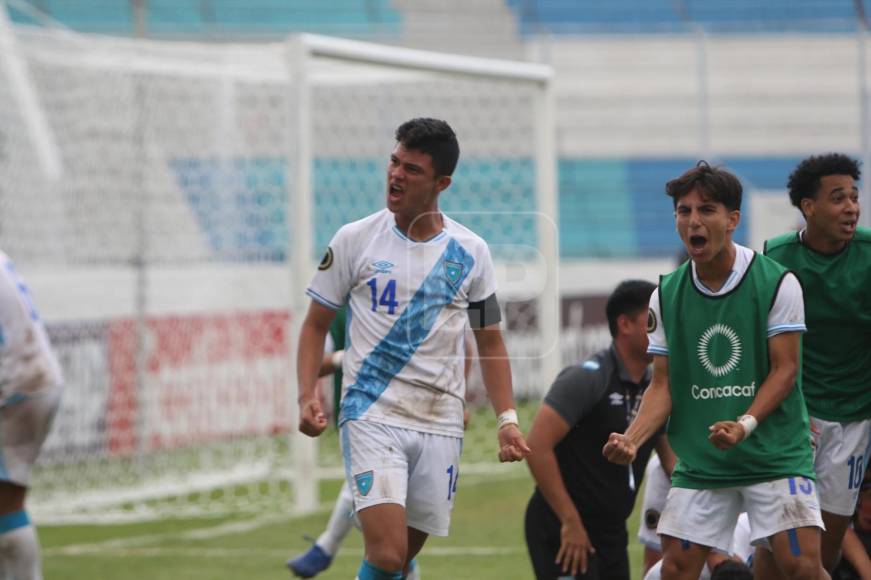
{"points": [[199, 186]]}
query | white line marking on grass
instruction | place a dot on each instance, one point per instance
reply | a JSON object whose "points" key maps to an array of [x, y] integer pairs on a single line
{"points": [[121, 552], [206, 533], [224, 529]]}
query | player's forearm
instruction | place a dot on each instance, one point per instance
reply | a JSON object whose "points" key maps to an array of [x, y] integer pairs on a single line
{"points": [[653, 412], [855, 554], [495, 369], [667, 458], [548, 478], [309, 358], [776, 387]]}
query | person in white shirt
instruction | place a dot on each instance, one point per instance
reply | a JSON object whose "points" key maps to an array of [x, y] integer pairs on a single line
{"points": [[411, 277], [30, 391]]}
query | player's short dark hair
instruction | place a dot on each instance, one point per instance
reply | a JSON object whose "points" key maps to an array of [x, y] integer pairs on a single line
{"points": [[804, 181], [629, 297], [714, 182], [434, 137], [731, 570]]}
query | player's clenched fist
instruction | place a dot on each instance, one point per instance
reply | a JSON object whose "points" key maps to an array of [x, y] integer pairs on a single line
{"points": [[512, 445], [726, 434], [312, 420], [619, 449]]}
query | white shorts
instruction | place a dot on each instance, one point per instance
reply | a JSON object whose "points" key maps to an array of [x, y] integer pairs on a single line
{"points": [[840, 458], [656, 486], [708, 516], [416, 470], [655, 572], [24, 424]]}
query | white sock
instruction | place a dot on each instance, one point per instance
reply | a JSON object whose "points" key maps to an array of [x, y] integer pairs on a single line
{"points": [[340, 522], [19, 548], [414, 573]]}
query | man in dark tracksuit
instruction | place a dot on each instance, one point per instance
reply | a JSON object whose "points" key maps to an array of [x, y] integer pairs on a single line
{"points": [[576, 519]]}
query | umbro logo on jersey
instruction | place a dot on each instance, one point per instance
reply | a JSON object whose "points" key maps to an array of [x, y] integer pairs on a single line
{"points": [[383, 266], [616, 399], [453, 271]]}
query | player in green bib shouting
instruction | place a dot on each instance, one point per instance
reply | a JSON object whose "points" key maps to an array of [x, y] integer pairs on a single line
{"points": [[725, 333], [832, 258]]}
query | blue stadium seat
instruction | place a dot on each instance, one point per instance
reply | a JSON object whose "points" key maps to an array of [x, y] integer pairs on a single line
{"points": [[652, 16], [241, 17]]}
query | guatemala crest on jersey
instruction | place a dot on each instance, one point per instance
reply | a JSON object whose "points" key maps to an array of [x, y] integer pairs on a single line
{"points": [[453, 272], [364, 482]]}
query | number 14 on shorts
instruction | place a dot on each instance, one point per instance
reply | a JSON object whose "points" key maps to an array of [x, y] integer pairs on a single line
{"points": [[453, 476]]}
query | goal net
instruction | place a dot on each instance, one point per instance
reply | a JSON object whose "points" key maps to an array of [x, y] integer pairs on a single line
{"points": [[167, 202]]}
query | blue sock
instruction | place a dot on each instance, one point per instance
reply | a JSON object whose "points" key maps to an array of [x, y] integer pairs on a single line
{"points": [[19, 547], [369, 572]]}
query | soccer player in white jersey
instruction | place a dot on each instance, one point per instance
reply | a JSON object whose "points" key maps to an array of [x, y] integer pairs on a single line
{"points": [[411, 277], [30, 389]]}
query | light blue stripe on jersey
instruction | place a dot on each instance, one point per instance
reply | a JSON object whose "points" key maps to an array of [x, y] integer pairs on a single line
{"points": [[413, 326], [322, 301], [781, 328]]}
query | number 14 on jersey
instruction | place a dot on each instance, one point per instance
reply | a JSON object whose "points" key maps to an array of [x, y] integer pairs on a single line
{"points": [[388, 295]]}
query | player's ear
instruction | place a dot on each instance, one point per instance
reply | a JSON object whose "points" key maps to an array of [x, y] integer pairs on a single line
{"points": [[734, 220], [624, 324], [806, 205], [442, 183]]}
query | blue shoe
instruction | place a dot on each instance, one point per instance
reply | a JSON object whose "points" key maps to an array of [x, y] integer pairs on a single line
{"points": [[311, 563]]}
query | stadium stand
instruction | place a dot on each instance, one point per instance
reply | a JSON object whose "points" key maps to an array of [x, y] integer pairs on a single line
{"points": [[238, 18], [678, 81], [655, 16]]}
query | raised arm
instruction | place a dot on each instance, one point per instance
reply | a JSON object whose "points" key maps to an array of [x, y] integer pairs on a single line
{"points": [[309, 359], [496, 372], [654, 411]]}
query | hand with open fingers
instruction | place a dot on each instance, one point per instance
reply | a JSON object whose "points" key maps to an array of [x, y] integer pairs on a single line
{"points": [[512, 445], [575, 548], [312, 420], [726, 434], [619, 449]]}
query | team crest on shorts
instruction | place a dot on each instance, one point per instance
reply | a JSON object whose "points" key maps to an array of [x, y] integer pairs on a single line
{"points": [[453, 271], [364, 482], [327, 261]]}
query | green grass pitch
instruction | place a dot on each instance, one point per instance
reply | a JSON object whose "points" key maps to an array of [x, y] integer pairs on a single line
{"points": [[486, 540]]}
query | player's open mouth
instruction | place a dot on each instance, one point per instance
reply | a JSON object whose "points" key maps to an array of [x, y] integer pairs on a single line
{"points": [[848, 226], [395, 192], [697, 244]]}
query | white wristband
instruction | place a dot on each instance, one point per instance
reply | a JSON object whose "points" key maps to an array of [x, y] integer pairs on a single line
{"points": [[508, 417], [336, 359], [749, 423]]}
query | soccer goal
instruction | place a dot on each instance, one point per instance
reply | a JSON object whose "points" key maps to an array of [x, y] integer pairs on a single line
{"points": [[168, 201]]}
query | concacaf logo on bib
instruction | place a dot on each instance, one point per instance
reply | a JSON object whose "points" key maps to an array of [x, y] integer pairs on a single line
{"points": [[720, 367]]}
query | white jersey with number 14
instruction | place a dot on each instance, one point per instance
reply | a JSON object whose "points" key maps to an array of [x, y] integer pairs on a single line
{"points": [[408, 300]]}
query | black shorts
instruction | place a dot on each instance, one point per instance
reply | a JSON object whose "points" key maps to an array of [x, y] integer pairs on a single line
{"points": [[609, 538]]}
